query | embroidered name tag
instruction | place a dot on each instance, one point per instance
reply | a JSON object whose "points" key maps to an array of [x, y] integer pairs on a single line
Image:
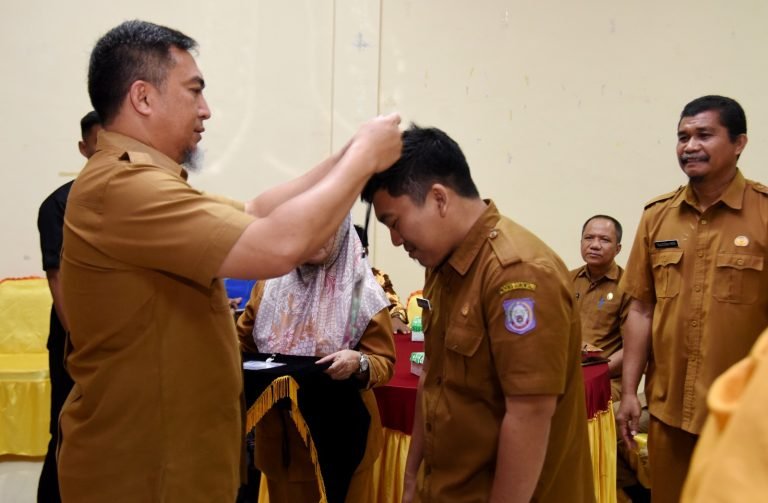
{"points": [[517, 285], [669, 243]]}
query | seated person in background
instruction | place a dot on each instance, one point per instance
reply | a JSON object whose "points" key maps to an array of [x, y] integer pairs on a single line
{"points": [[602, 305], [396, 309], [306, 312], [603, 308]]}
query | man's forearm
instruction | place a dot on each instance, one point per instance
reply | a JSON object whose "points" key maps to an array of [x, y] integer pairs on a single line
{"points": [[615, 363], [264, 203], [523, 442], [637, 345], [54, 285]]}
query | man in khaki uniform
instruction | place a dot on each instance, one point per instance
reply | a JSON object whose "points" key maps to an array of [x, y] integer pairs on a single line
{"points": [[603, 309], [501, 413], [155, 412], [699, 286], [602, 304]]}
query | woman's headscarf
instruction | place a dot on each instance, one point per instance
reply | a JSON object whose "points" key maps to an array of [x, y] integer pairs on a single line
{"points": [[306, 312]]}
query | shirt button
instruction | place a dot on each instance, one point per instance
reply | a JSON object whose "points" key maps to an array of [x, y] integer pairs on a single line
{"points": [[493, 234], [697, 288], [740, 262], [703, 221], [700, 254], [694, 323]]}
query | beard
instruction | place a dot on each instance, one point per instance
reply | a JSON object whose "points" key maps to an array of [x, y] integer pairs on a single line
{"points": [[193, 160]]}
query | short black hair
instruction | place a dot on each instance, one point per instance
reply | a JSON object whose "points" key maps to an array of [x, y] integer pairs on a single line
{"points": [[616, 223], [134, 50], [88, 121], [732, 116], [429, 156]]}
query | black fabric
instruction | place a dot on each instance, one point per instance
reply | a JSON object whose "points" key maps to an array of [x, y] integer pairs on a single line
{"points": [[333, 410], [50, 223]]}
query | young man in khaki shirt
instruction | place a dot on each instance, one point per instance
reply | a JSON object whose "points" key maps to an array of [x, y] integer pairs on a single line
{"points": [[155, 412], [501, 414], [699, 286]]}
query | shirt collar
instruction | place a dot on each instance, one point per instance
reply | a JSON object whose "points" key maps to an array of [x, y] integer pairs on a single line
{"points": [[733, 196], [463, 256], [137, 152], [612, 274]]}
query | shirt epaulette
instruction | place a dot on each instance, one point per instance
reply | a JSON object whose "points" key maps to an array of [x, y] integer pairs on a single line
{"points": [[139, 157], [663, 197], [504, 247], [759, 187]]}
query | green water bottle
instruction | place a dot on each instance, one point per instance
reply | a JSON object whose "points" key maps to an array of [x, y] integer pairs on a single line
{"points": [[417, 335]]}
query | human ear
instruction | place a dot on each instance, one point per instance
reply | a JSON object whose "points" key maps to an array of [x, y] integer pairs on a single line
{"points": [[138, 95], [440, 195], [741, 143]]}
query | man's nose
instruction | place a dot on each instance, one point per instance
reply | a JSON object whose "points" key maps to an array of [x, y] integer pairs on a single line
{"points": [[395, 237], [691, 145], [205, 112]]}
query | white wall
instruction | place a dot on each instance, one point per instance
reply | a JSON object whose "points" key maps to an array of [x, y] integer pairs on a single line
{"points": [[563, 108]]}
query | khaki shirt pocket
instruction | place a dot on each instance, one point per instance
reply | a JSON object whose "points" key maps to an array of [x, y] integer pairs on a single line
{"points": [[464, 366], [666, 273], [737, 278]]}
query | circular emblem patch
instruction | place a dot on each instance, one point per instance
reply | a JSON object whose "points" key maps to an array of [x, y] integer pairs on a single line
{"points": [[519, 316]]}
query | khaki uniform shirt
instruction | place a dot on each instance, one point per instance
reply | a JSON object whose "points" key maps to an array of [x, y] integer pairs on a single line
{"points": [[729, 464], [155, 414], [707, 276], [603, 307], [502, 323]]}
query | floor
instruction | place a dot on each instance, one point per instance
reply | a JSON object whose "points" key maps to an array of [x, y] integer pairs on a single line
{"points": [[18, 479]]}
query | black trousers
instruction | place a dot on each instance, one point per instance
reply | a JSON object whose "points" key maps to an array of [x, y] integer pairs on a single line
{"points": [[61, 384]]}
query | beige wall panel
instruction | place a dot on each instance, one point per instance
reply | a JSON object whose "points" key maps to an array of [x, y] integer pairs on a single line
{"points": [[268, 69], [563, 108], [566, 109]]}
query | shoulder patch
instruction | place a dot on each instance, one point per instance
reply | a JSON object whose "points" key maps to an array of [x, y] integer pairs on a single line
{"points": [[519, 317], [664, 197]]}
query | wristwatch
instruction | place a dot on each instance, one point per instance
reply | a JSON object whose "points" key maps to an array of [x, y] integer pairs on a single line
{"points": [[363, 363]]}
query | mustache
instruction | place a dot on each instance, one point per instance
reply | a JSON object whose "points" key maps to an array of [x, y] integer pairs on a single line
{"points": [[694, 157]]}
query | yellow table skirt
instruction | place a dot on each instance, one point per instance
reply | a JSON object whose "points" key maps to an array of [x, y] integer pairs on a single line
{"points": [[25, 409], [602, 447]]}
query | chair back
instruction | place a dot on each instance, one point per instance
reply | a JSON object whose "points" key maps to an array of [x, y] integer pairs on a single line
{"points": [[25, 307]]}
